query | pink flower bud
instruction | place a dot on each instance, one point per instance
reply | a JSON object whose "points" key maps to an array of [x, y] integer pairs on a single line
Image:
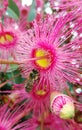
{"points": [[62, 105]]}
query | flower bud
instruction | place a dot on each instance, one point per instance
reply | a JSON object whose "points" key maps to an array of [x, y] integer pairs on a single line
{"points": [[62, 105]]}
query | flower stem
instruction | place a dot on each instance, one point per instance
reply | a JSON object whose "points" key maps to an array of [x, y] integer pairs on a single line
{"points": [[17, 62], [42, 121], [2, 84], [8, 62], [68, 92]]}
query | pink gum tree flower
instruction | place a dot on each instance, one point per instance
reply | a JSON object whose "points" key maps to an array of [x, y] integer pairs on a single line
{"points": [[51, 53], [37, 99], [9, 118], [66, 5]]}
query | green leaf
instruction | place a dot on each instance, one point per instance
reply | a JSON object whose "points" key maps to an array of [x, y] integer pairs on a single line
{"points": [[32, 12], [70, 86], [13, 10], [19, 79], [12, 68]]}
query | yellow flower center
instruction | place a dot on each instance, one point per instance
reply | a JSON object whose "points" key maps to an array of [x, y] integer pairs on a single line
{"points": [[6, 38], [45, 61], [40, 92]]}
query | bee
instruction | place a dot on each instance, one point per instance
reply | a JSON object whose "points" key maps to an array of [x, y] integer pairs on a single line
{"points": [[33, 77]]}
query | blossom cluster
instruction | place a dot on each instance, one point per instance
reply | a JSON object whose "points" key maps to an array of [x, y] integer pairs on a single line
{"points": [[41, 65]]}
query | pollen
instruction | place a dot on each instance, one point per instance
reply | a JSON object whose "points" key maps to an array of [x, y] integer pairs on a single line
{"points": [[45, 58], [6, 38], [9, 37], [40, 92]]}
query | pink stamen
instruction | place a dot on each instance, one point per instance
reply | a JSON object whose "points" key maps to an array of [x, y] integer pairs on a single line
{"points": [[35, 58], [2, 31], [39, 58], [1, 27]]}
